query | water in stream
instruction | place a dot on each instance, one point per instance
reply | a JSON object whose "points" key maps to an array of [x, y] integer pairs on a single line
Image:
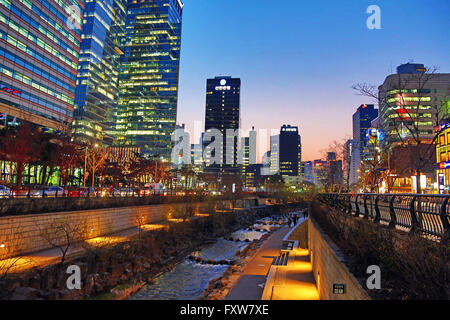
{"points": [[188, 279]]}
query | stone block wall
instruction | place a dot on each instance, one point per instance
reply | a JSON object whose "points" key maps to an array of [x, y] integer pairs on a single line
{"points": [[329, 268]]}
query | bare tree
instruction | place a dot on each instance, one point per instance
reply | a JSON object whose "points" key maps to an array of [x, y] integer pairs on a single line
{"points": [[62, 234]]}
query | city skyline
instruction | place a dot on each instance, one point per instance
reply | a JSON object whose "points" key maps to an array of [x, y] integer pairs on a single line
{"points": [[305, 68]]}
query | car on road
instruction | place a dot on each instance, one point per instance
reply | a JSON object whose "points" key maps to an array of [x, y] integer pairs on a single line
{"points": [[53, 191], [87, 192], [128, 192], [4, 191]]}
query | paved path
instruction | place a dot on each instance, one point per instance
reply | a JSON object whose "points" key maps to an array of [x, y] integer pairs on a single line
{"points": [[292, 282], [250, 285]]}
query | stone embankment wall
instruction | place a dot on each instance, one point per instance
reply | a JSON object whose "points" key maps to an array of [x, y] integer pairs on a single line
{"points": [[23, 234], [329, 268]]}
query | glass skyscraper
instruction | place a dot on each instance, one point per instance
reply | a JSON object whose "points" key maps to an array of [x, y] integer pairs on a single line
{"points": [[98, 71], [290, 152], [39, 50], [148, 80], [223, 113]]}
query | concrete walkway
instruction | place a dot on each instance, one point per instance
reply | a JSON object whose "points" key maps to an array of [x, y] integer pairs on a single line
{"points": [[250, 285], [294, 281]]}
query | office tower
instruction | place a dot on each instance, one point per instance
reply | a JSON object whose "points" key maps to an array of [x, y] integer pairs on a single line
{"points": [[335, 174], [290, 151], [97, 89], [362, 121], [222, 117], [148, 80], [275, 154], [39, 57], [320, 172], [308, 171], [411, 103], [252, 146]]}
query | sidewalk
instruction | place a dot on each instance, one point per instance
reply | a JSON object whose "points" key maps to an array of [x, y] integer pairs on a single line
{"points": [[250, 285], [294, 281]]}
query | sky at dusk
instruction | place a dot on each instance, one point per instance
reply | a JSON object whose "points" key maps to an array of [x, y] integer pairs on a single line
{"points": [[298, 59]]}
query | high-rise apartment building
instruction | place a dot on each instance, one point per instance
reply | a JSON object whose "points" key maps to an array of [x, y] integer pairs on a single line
{"points": [[39, 50], [148, 80], [222, 118], [97, 89]]}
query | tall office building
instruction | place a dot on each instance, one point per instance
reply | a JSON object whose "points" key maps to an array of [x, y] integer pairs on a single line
{"points": [[223, 116], [308, 171], [148, 80], [362, 120], [39, 49], [335, 174], [97, 89], [290, 152], [275, 154]]}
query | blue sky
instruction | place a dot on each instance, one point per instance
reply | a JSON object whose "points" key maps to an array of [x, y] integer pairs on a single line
{"points": [[298, 59]]}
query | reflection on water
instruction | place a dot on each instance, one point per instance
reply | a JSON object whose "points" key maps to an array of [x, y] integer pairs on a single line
{"points": [[188, 279]]}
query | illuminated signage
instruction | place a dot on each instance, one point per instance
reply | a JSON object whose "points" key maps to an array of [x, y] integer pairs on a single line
{"points": [[374, 135], [13, 91], [442, 127], [444, 165], [223, 88]]}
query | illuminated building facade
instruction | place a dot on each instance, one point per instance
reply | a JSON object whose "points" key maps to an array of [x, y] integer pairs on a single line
{"points": [[290, 152], [97, 90], [307, 171], [412, 101], [148, 79], [223, 114], [320, 172], [443, 158], [275, 154], [362, 120], [39, 49]]}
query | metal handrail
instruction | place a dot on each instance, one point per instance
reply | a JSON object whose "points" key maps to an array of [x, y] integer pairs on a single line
{"points": [[428, 214]]}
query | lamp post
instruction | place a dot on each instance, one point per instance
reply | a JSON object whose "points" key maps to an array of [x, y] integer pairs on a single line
{"points": [[84, 172]]}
